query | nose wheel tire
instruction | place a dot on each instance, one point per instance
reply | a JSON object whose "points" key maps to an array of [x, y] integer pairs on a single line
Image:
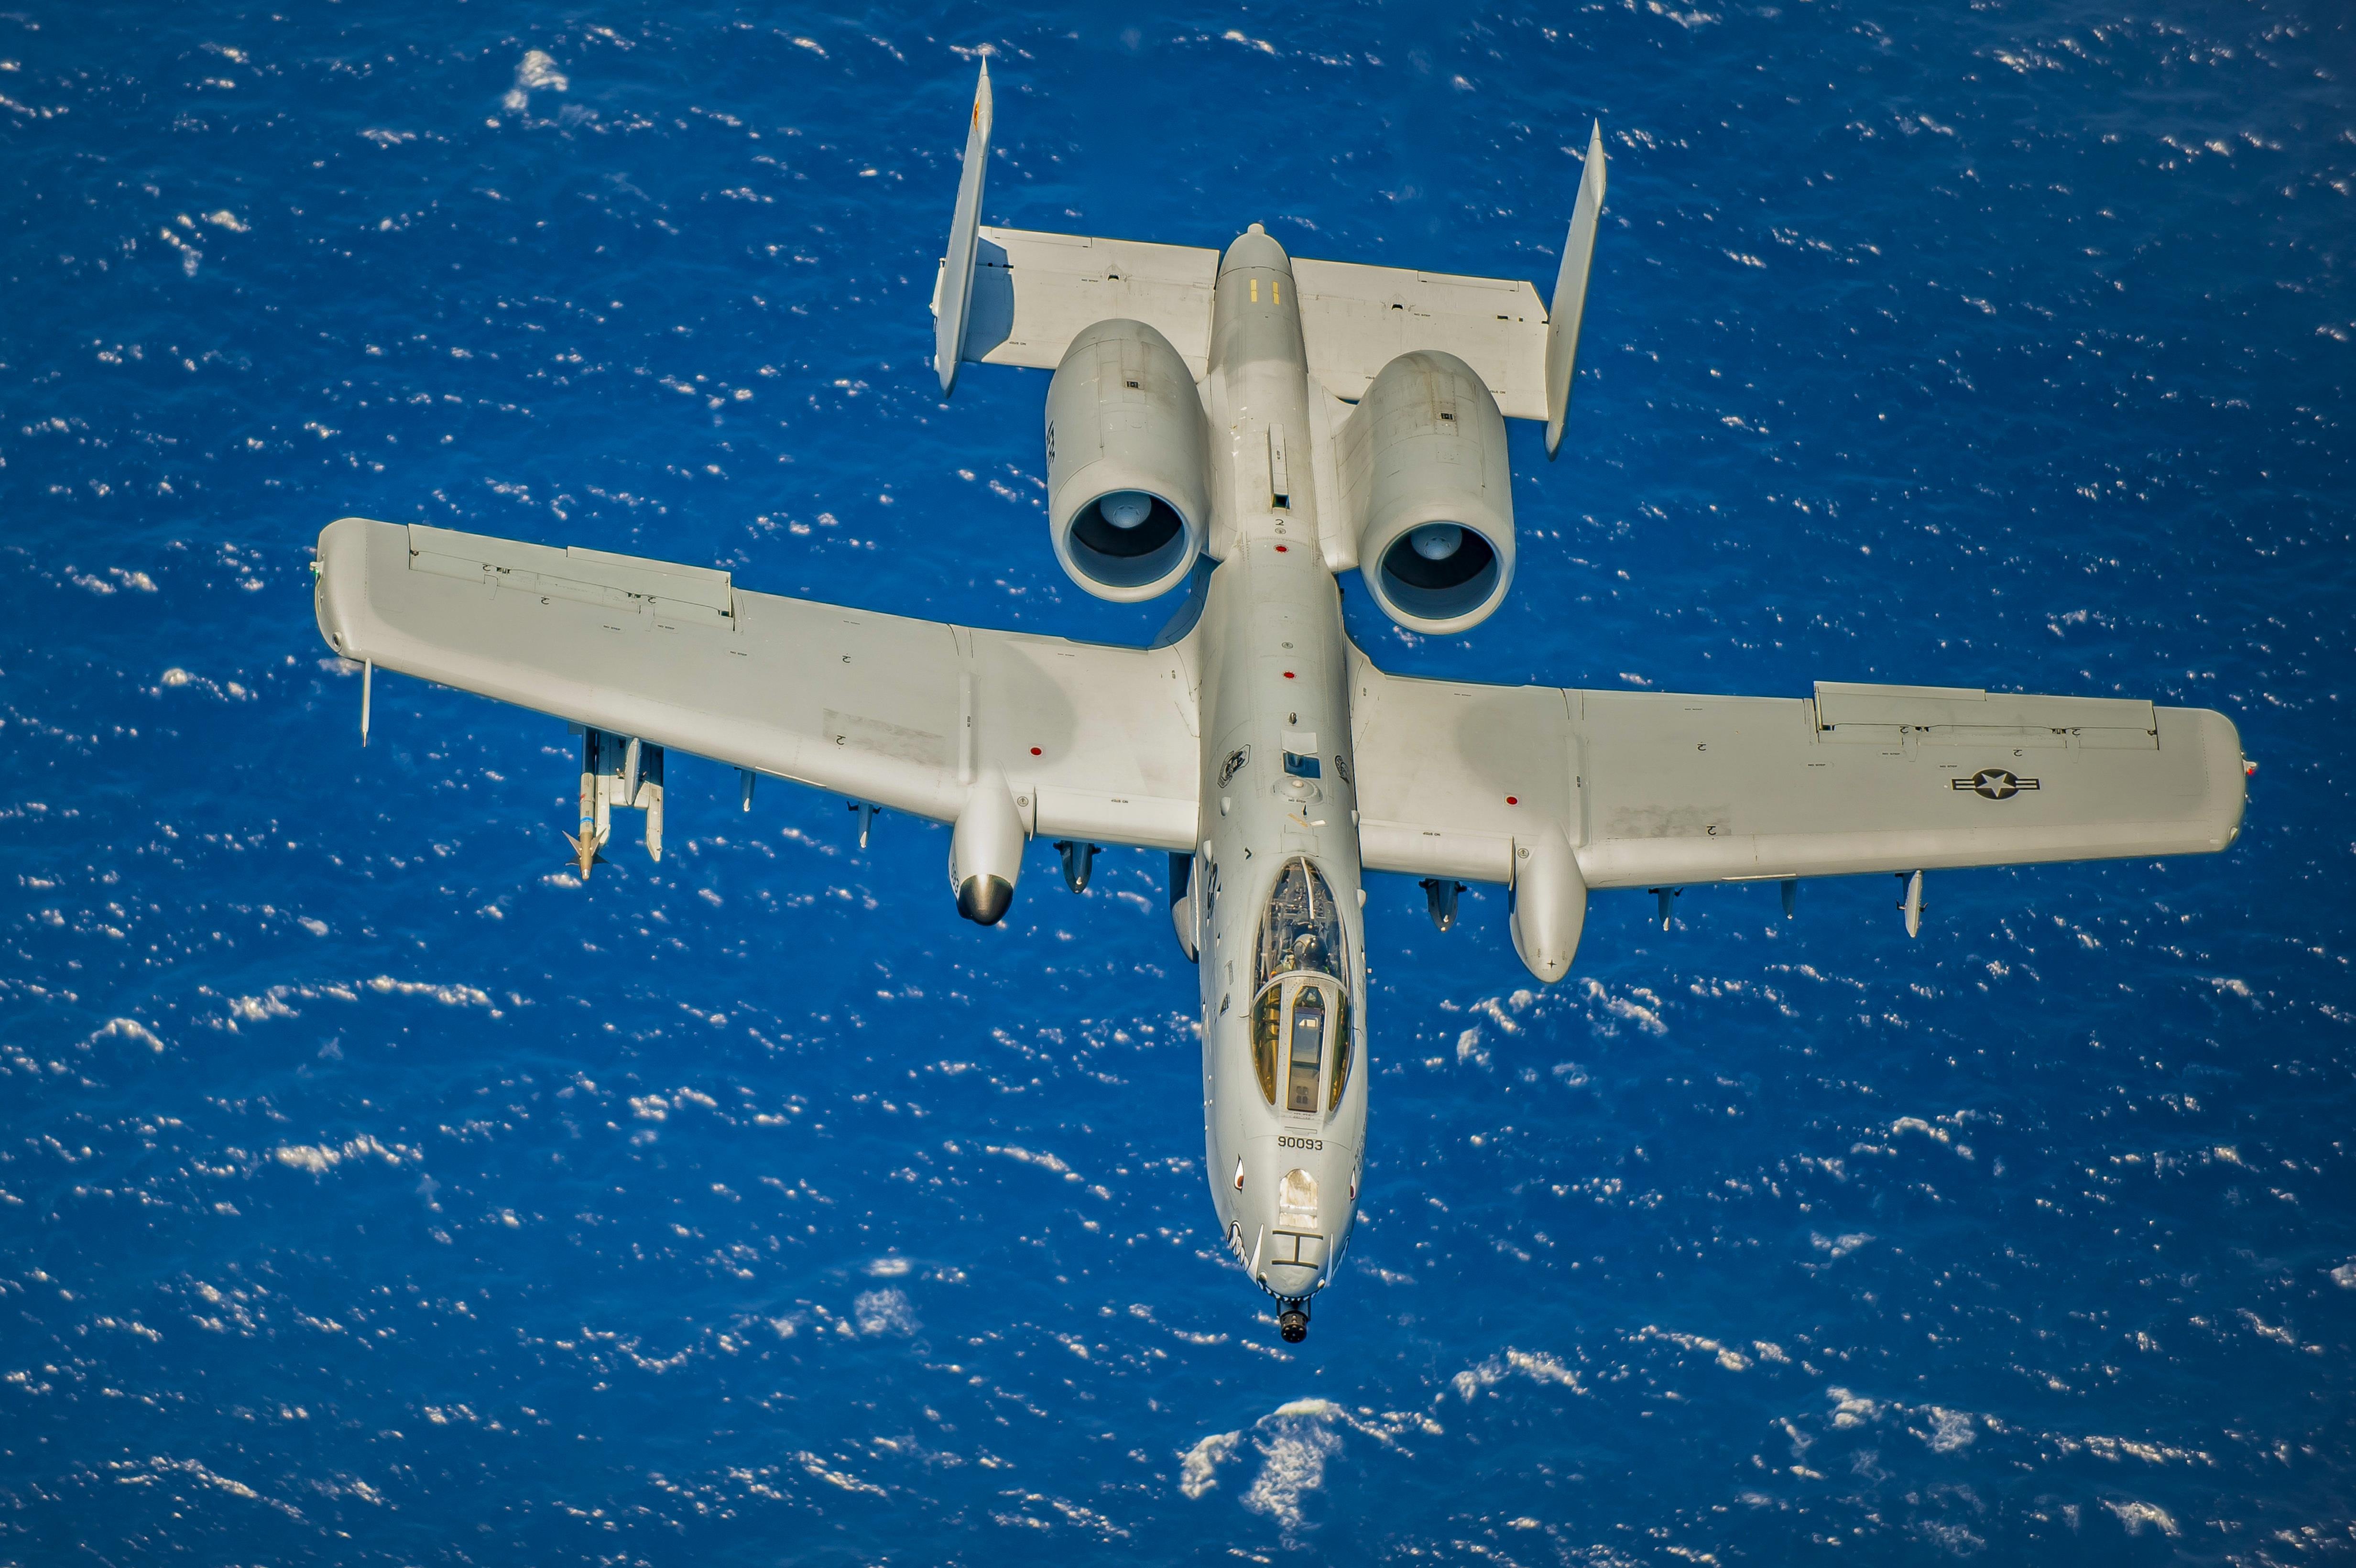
{"points": [[1293, 1322]]}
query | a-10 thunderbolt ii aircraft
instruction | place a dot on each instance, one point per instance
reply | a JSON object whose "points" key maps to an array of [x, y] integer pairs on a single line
{"points": [[1288, 420]]}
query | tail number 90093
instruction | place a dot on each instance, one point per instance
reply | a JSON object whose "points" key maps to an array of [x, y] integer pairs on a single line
{"points": [[1288, 1142]]}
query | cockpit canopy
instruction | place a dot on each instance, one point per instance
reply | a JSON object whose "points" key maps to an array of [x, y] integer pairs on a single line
{"points": [[1302, 927], [1300, 1005]]}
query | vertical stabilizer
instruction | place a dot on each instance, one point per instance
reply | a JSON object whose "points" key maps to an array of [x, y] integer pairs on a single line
{"points": [[1570, 289], [957, 267]]}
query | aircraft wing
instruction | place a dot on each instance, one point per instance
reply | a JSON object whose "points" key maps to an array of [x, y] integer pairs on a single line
{"points": [[1096, 742], [1655, 790]]}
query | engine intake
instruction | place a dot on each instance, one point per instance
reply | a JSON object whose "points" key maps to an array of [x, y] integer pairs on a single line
{"points": [[1128, 493], [1426, 484]]}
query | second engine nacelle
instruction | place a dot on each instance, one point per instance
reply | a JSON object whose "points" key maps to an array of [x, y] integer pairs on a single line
{"points": [[1128, 462], [1426, 488]]}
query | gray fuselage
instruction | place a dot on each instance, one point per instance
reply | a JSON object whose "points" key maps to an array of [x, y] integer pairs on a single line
{"points": [[1275, 878]]}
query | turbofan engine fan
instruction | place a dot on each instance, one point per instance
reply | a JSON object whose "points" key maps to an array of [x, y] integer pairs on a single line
{"points": [[1128, 499]]}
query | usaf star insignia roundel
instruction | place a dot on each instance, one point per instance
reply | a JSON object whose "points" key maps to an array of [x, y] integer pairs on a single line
{"points": [[1994, 784]]}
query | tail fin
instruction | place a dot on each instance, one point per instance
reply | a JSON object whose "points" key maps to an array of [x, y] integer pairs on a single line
{"points": [[1571, 291], [957, 268]]}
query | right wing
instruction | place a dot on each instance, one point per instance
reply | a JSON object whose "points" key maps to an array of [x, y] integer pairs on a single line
{"points": [[1094, 742], [1654, 790]]}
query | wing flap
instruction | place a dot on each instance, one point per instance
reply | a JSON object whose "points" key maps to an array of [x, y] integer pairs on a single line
{"points": [[660, 589], [887, 708], [1852, 713]]}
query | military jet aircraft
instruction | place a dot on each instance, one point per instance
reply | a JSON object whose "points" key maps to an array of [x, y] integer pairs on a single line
{"points": [[1256, 424]]}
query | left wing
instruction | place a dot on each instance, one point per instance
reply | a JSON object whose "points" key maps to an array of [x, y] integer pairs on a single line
{"points": [[1094, 742], [1652, 790]]}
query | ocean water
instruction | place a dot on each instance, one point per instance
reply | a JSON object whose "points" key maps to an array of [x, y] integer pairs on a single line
{"points": [[369, 1194]]}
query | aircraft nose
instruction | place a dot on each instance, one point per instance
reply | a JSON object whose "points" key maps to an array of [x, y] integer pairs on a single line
{"points": [[1294, 1246], [1291, 1280]]}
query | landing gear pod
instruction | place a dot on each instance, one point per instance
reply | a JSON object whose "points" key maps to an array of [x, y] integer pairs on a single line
{"points": [[986, 850], [1127, 496], [1549, 904], [1426, 485]]}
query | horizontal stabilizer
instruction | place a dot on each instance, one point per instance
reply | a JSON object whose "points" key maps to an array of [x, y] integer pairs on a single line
{"points": [[1357, 319], [1030, 292]]}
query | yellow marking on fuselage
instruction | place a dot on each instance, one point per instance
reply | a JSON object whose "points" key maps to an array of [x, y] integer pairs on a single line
{"points": [[1255, 289]]}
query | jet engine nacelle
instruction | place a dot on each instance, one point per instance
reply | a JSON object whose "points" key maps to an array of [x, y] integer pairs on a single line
{"points": [[1427, 489], [1128, 499]]}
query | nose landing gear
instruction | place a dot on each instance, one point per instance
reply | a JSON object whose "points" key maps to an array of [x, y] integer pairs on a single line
{"points": [[1293, 1321]]}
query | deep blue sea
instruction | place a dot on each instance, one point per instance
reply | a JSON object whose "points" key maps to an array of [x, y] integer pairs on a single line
{"points": [[372, 1194]]}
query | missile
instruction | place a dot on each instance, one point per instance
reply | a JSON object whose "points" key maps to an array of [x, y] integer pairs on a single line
{"points": [[584, 852], [591, 837]]}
